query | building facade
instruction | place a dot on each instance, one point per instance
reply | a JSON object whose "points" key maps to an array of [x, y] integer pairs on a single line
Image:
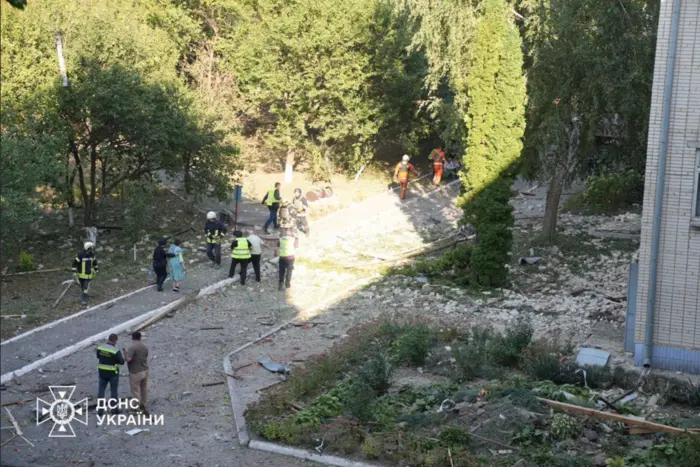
{"points": [[676, 308]]}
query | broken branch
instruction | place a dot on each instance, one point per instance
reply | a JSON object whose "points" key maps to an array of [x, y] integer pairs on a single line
{"points": [[167, 309], [614, 298]]}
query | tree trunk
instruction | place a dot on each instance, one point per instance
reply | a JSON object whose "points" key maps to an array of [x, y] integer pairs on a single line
{"points": [[289, 166], [90, 213], [551, 208]]}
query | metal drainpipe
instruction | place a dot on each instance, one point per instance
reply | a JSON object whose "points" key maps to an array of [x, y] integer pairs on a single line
{"points": [[660, 182]]}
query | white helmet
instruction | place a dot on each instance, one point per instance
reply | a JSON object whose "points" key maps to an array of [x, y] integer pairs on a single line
{"points": [[405, 158], [211, 215], [88, 245]]}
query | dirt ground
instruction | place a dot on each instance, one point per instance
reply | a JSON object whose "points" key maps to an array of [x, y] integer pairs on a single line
{"points": [[198, 426]]}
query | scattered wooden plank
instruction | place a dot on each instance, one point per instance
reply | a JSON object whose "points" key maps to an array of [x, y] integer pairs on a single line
{"points": [[184, 301], [217, 383], [243, 366], [231, 375], [210, 328], [631, 422], [17, 402], [18, 430], [60, 297], [10, 316], [265, 388], [34, 272]]}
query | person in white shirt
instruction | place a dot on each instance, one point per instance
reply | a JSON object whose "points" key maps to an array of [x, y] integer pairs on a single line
{"points": [[255, 254]]}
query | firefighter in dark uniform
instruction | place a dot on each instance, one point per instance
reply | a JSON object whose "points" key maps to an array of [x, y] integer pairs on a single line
{"points": [[109, 358], [214, 231], [84, 269]]}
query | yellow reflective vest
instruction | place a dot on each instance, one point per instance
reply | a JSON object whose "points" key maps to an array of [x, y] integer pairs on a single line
{"points": [[242, 250], [286, 247], [271, 198]]}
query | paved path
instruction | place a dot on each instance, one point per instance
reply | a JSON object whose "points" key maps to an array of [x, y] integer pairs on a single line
{"points": [[199, 427]]}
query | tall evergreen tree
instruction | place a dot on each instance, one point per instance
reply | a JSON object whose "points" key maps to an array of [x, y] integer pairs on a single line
{"points": [[495, 127]]}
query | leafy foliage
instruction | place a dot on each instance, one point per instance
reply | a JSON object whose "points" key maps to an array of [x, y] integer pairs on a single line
{"points": [[495, 126], [609, 192]]}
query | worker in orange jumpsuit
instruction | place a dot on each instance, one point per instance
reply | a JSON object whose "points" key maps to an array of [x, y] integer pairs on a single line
{"points": [[438, 158], [401, 173]]}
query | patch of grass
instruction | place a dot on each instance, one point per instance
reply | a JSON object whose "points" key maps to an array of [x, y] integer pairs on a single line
{"points": [[26, 261]]}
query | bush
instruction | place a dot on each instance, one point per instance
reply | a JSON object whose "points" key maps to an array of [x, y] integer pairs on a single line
{"points": [[508, 350], [609, 192], [472, 358], [454, 436], [135, 215], [26, 261], [376, 374], [564, 427], [358, 401], [413, 345]]}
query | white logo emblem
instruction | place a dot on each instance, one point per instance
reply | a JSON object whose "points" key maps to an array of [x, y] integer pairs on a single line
{"points": [[62, 411]]}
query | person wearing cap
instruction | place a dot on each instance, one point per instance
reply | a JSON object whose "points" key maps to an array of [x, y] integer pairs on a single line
{"points": [[214, 231], [401, 173], [160, 263], [240, 254], [84, 269]]}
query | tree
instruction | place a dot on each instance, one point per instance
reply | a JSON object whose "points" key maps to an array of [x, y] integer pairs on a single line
{"points": [[590, 69], [304, 69], [125, 130], [495, 127]]}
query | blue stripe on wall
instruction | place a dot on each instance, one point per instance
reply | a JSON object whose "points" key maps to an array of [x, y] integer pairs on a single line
{"points": [[670, 358]]}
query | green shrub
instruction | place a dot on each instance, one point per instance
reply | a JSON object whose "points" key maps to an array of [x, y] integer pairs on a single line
{"points": [[371, 448], [472, 358], [564, 427], [508, 349], [26, 261], [609, 192], [138, 197], [376, 374], [413, 345], [358, 401], [454, 436], [324, 406]]}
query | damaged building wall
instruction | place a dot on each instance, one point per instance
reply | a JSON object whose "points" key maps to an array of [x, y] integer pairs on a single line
{"points": [[677, 308]]}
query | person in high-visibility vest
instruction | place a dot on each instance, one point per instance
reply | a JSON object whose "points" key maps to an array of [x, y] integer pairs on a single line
{"points": [[401, 174], [214, 231], [84, 269], [109, 357], [240, 254], [286, 248], [272, 200], [438, 158]]}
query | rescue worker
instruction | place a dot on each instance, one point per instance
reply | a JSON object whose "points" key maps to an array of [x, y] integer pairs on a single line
{"points": [[137, 361], [301, 204], [255, 253], [109, 358], [240, 254], [401, 173], [286, 248], [84, 269], [214, 231], [272, 200], [438, 158]]}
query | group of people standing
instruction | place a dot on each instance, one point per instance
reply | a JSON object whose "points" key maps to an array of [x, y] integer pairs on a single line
{"points": [[441, 166], [285, 214]]}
